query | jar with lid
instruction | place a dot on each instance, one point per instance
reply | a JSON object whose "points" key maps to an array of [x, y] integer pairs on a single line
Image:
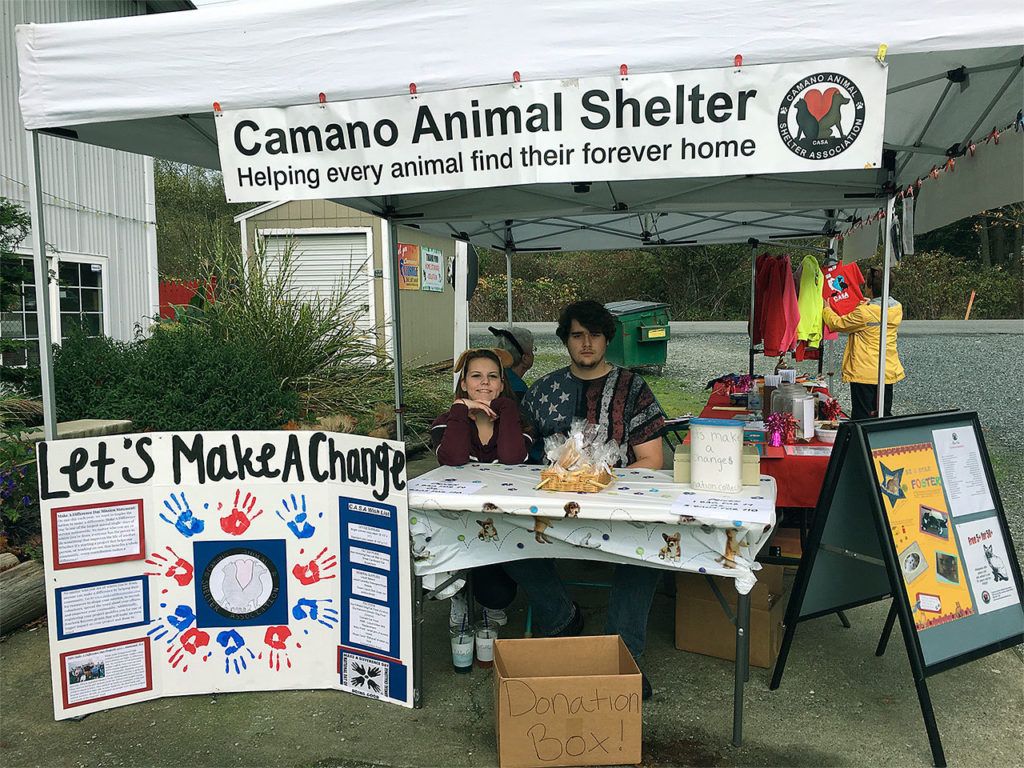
{"points": [[784, 396]]}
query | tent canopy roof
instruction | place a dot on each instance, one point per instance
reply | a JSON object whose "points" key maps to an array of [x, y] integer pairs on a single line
{"points": [[147, 85]]}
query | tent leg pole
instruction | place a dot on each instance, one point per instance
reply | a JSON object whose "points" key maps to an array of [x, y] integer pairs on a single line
{"points": [[890, 207], [742, 661], [417, 641], [826, 346], [460, 341], [41, 273], [508, 282], [396, 329], [753, 275]]}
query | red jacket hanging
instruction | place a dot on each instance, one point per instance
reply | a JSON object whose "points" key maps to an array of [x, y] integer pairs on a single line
{"points": [[776, 313]]}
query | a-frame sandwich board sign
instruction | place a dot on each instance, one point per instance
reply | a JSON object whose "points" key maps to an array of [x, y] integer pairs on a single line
{"points": [[910, 509]]}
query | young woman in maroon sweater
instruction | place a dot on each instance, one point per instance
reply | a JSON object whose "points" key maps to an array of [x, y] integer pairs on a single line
{"points": [[483, 425]]}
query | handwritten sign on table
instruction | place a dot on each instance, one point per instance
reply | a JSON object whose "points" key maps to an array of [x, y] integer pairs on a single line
{"points": [[717, 507], [465, 487]]}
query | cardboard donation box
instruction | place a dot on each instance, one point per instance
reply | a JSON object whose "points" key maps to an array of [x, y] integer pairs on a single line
{"points": [[566, 701], [702, 626]]}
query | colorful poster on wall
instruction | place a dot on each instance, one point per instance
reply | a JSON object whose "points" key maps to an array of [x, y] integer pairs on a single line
{"points": [[186, 563], [408, 267], [930, 561], [433, 269]]}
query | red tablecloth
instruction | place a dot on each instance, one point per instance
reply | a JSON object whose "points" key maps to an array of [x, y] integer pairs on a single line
{"points": [[798, 478]]}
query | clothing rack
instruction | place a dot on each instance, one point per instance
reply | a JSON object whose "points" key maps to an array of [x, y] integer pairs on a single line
{"points": [[755, 246]]}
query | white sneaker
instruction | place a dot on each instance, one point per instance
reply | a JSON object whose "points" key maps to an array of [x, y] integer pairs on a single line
{"points": [[459, 614], [495, 616]]}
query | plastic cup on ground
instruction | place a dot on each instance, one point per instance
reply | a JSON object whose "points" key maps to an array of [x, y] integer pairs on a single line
{"points": [[462, 649], [486, 634]]}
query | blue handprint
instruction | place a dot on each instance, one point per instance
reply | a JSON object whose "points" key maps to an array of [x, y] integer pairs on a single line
{"points": [[232, 643], [307, 608], [182, 517], [177, 622], [296, 516]]}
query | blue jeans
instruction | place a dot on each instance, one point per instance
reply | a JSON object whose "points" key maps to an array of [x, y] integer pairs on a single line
{"points": [[633, 589]]}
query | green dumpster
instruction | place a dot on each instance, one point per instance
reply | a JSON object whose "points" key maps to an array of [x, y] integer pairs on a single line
{"points": [[641, 334]]}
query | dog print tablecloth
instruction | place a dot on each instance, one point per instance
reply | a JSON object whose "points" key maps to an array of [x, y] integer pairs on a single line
{"points": [[462, 517]]}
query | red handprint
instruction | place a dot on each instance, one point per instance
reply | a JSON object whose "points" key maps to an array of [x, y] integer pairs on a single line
{"points": [[277, 639], [313, 571], [180, 570], [240, 518], [191, 641]]}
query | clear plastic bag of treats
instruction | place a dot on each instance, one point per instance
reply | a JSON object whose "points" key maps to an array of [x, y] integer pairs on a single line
{"points": [[581, 461]]}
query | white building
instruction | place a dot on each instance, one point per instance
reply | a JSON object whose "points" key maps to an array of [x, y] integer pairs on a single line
{"points": [[99, 203]]}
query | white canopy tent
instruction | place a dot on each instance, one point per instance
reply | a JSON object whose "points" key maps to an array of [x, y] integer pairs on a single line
{"points": [[148, 84]]}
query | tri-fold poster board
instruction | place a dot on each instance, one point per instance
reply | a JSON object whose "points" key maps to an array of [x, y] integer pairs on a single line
{"points": [[910, 510], [183, 563]]}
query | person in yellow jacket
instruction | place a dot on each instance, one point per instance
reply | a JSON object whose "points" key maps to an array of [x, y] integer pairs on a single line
{"points": [[860, 363]]}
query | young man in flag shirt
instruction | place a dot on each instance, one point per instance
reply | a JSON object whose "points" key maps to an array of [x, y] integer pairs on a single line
{"points": [[626, 411]]}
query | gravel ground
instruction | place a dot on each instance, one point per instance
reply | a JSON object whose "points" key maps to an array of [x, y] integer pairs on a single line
{"points": [[964, 371]]}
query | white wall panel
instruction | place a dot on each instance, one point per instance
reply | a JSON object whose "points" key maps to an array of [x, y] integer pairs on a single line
{"points": [[95, 198]]}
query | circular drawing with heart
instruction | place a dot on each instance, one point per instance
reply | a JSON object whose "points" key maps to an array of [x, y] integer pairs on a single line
{"points": [[240, 583], [821, 116]]}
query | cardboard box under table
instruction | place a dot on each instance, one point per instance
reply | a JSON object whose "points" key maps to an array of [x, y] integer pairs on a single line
{"points": [[566, 701], [702, 625]]}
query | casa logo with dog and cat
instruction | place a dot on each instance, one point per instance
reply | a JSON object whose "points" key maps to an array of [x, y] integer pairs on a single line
{"points": [[821, 116]]}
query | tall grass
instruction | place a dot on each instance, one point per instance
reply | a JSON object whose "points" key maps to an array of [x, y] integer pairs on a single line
{"points": [[313, 342], [303, 336], [17, 408]]}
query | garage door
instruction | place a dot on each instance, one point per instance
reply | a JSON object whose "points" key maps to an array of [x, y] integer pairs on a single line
{"points": [[324, 265]]}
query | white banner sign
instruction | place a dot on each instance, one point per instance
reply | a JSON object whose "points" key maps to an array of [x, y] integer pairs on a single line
{"points": [[771, 118], [185, 563]]}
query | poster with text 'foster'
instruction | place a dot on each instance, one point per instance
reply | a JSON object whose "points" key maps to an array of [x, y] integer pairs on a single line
{"points": [[183, 563], [927, 552]]}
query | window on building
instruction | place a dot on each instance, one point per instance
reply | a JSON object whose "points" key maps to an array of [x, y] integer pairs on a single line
{"points": [[18, 320], [81, 297]]}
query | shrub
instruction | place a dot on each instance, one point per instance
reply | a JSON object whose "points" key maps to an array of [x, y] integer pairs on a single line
{"points": [[19, 495], [182, 378], [427, 394], [367, 395], [187, 379], [94, 377], [700, 283], [533, 299], [19, 487], [712, 282], [937, 286]]}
